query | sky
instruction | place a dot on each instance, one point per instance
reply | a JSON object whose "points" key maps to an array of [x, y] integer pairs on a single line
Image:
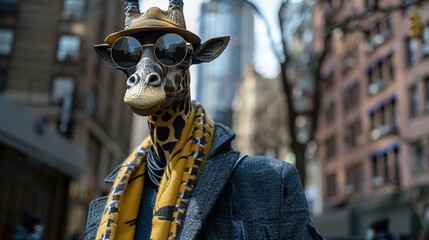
{"points": [[265, 62]]}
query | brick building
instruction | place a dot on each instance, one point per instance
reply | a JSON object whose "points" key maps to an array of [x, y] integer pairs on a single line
{"points": [[374, 126]]}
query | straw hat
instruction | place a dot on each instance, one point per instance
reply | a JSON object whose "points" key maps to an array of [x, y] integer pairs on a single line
{"points": [[154, 19]]}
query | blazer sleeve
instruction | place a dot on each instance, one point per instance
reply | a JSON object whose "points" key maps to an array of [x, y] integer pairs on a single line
{"points": [[294, 206]]}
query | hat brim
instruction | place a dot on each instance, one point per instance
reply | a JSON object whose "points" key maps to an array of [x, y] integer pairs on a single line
{"points": [[187, 35]]}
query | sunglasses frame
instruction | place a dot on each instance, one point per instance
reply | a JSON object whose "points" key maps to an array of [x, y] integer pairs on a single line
{"points": [[187, 45]]}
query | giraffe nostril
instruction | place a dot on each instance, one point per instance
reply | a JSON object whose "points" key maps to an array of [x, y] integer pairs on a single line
{"points": [[153, 79], [132, 80]]}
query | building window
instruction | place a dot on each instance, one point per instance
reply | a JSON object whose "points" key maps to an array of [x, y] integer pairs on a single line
{"points": [[394, 114], [396, 158], [372, 120], [380, 74], [427, 93], [425, 42], [355, 179], [385, 166], [91, 102], [331, 185], [6, 41], [68, 48], [373, 87], [352, 135], [418, 157], [379, 170], [383, 116], [381, 33], [375, 171], [331, 147], [379, 81], [411, 48], [379, 70], [351, 98], [62, 86], [73, 9], [62, 94], [351, 59], [413, 101], [329, 82], [389, 27], [330, 114], [384, 119], [390, 66]]}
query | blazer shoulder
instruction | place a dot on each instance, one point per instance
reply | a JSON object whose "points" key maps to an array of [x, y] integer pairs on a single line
{"points": [[271, 177], [262, 166]]}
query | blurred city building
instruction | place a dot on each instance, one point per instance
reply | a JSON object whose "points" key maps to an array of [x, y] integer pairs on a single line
{"points": [[373, 131], [37, 165], [48, 67], [259, 118], [260, 123], [217, 83]]}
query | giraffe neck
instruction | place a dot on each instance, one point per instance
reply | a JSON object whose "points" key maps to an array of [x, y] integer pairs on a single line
{"points": [[166, 128]]}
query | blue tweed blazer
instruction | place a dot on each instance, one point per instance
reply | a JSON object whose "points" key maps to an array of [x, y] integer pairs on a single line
{"points": [[253, 198]]}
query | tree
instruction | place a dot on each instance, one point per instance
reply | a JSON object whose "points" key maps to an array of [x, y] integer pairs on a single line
{"points": [[331, 22]]}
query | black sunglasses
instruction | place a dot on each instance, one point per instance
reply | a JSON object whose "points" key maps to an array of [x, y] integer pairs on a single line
{"points": [[170, 50]]}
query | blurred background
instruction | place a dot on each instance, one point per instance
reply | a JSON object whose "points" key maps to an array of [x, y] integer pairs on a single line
{"points": [[338, 88]]}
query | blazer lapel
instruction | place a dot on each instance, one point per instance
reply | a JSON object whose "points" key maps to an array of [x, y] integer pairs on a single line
{"points": [[212, 180]]}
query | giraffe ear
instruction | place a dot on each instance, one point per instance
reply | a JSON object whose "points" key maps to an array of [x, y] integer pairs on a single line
{"points": [[210, 50], [103, 52]]}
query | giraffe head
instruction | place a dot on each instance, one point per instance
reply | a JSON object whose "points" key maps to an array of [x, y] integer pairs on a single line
{"points": [[155, 51]]}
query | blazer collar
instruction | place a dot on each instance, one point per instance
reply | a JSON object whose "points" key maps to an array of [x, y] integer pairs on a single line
{"points": [[212, 180]]}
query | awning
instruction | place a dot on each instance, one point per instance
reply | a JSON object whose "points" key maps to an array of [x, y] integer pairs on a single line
{"points": [[381, 104], [380, 151], [24, 132]]}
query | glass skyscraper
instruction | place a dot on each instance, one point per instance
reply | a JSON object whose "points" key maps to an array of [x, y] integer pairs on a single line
{"points": [[217, 82]]}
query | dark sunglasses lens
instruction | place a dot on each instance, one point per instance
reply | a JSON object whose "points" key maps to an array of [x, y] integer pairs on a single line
{"points": [[170, 49], [126, 52]]}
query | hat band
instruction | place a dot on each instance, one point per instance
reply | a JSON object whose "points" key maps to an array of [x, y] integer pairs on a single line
{"points": [[153, 22]]}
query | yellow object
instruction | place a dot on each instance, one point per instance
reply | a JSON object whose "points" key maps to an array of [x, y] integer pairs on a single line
{"points": [[189, 155], [416, 28], [155, 19]]}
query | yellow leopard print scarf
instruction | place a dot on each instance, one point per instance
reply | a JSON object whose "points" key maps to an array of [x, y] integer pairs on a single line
{"points": [[120, 213]]}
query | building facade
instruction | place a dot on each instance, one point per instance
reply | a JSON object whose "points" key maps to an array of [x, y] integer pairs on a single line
{"points": [[217, 83], [48, 67], [374, 130], [259, 116], [37, 165]]}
